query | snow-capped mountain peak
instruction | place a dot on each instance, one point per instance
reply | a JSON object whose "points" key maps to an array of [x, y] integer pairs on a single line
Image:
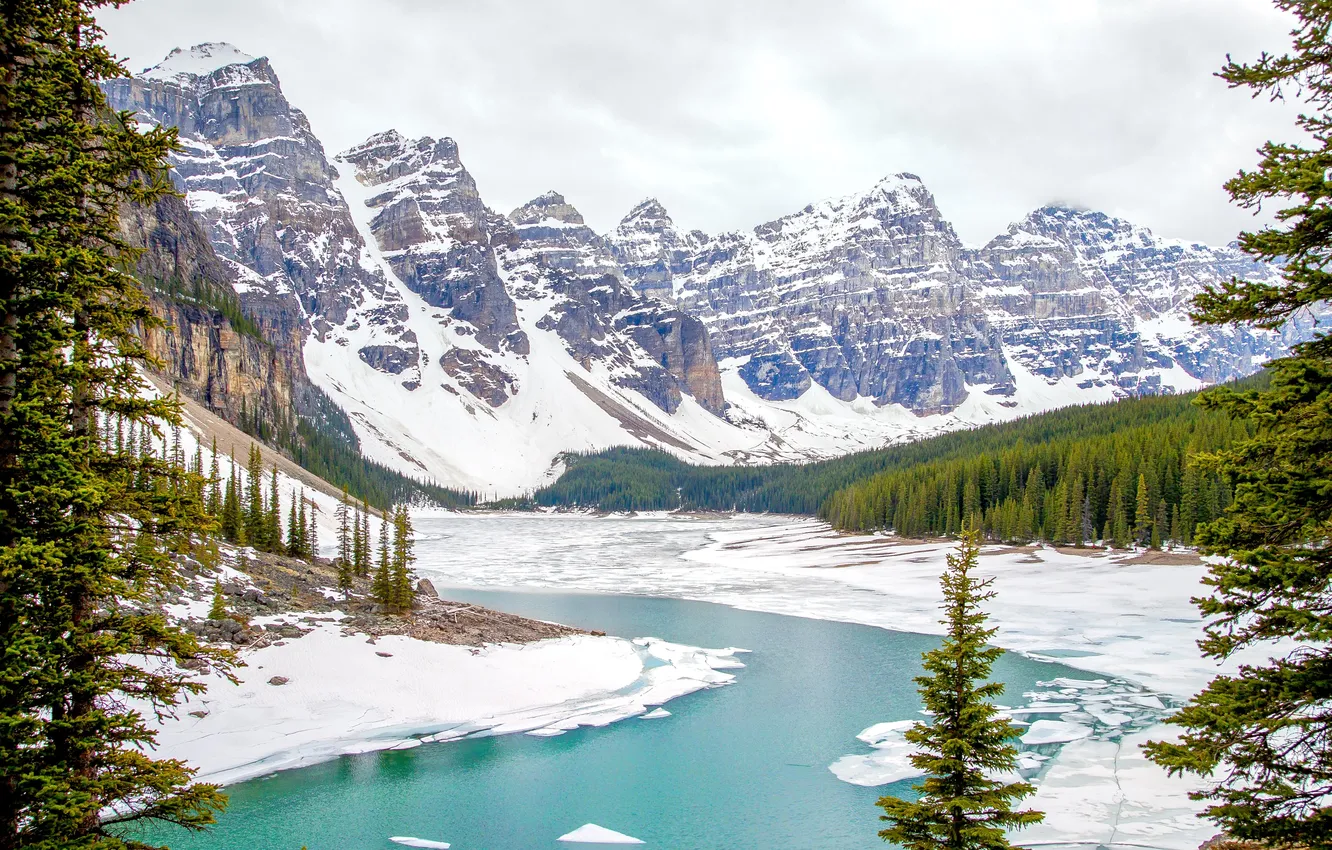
{"points": [[550, 206], [199, 60]]}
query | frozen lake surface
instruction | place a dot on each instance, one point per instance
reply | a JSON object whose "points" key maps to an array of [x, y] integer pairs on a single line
{"points": [[749, 765]]}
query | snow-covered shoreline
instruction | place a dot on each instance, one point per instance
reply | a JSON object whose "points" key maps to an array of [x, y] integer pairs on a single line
{"points": [[343, 695]]}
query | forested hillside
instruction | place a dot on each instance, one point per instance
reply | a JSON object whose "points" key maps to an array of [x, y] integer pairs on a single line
{"points": [[1117, 471], [1135, 485]]}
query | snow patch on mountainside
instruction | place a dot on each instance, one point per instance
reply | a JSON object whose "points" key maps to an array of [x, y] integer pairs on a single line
{"points": [[440, 429]]}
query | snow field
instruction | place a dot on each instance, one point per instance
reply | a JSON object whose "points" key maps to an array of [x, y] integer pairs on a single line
{"points": [[344, 695]]}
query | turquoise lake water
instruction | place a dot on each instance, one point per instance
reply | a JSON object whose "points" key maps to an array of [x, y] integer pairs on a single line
{"points": [[742, 766]]}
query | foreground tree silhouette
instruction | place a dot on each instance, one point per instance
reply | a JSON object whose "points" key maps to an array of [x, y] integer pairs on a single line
{"points": [[87, 521], [1264, 735], [960, 806]]}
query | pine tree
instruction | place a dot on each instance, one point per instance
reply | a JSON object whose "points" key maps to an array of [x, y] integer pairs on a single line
{"points": [[360, 563], [345, 565], [218, 611], [1262, 737], [1142, 515], [381, 586], [402, 594], [273, 516], [214, 503], [960, 806], [76, 590]]}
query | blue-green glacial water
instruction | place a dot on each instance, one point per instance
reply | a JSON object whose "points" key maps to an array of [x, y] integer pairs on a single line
{"points": [[738, 767]]}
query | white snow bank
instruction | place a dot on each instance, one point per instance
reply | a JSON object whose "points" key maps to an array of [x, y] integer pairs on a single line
{"points": [[342, 696], [590, 833]]}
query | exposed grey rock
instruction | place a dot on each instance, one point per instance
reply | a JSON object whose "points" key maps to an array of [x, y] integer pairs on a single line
{"points": [[436, 232], [446, 245], [278, 680], [257, 176], [874, 295]]}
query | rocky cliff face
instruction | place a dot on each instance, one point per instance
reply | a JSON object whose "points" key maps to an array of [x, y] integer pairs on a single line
{"points": [[433, 229], [431, 226], [256, 175], [873, 296], [207, 350], [650, 348]]}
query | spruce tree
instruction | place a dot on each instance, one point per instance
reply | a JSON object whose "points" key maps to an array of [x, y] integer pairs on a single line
{"points": [[1142, 515], [273, 516], [214, 484], [360, 564], [295, 545], [311, 527], [256, 519], [218, 610], [381, 586], [77, 590], [402, 594], [345, 564], [1262, 737], [960, 806], [367, 558]]}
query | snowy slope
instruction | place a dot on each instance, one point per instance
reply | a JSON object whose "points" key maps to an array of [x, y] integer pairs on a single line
{"points": [[474, 348], [444, 429]]}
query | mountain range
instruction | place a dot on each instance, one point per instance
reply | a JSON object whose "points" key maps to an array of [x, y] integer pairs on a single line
{"points": [[474, 347]]}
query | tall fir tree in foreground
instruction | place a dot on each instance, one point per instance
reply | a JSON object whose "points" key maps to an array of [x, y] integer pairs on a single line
{"points": [[1263, 736], [960, 806], [87, 525]]}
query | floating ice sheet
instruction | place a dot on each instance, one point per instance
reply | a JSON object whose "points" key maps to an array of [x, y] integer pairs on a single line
{"points": [[590, 833], [408, 841], [1054, 732]]}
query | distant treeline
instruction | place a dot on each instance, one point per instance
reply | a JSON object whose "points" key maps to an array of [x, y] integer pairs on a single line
{"points": [[1134, 485], [1118, 471]]}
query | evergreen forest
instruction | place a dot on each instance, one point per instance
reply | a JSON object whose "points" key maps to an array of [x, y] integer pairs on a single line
{"points": [[1122, 472]]}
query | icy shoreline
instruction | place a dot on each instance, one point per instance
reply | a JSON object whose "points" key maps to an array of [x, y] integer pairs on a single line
{"points": [[332, 693]]}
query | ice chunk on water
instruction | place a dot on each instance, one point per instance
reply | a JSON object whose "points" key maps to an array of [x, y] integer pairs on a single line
{"points": [[1054, 732], [590, 833], [879, 768], [1147, 701], [880, 732], [890, 763], [408, 841], [1109, 718], [1075, 684], [656, 714]]}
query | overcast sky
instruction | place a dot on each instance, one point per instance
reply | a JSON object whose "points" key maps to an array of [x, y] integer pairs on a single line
{"points": [[735, 112]]}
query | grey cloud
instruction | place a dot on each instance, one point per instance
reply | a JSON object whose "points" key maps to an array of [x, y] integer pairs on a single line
{"points": [[734, 113]]}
